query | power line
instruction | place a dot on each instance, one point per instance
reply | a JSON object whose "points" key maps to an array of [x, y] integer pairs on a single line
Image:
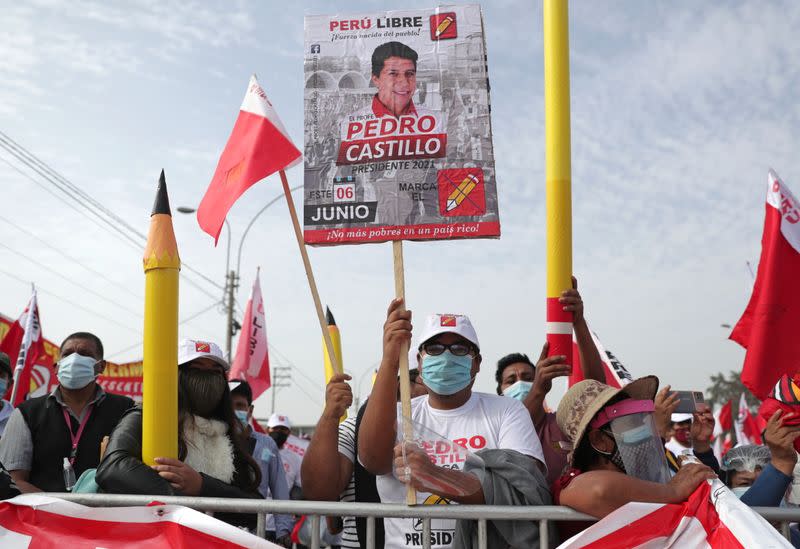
{"points": [[294, 367], [93, 219], [136, 245], [70, 302], [74, 260], [61, 276], [71, 190], [184, 321], [36, 168]]}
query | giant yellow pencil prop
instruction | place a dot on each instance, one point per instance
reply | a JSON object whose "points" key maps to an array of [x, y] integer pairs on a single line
{"points": [[160, 392], [558, 174], [332, 366]]}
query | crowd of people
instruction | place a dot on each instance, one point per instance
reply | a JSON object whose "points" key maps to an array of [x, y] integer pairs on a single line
{"points": [[602, 448]]}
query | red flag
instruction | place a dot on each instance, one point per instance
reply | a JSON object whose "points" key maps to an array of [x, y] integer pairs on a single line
{"points": [[252, 354], [616, 374], [724, 419], [258, 147], [768, 327], [24, 344]]}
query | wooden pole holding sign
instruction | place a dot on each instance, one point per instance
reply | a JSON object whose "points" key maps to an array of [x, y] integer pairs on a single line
{"points": [[558, 175], [326, 336], [405, 379]]}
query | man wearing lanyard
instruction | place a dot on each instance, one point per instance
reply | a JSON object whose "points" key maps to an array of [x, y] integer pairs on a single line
{"points": [[63, 430]]}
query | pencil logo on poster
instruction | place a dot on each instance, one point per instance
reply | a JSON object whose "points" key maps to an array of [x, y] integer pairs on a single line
{"points": [[461, 192], [443, 26]]}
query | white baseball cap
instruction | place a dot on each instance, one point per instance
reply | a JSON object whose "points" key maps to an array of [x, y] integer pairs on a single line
{"points": [[680, 418], [277, 420], [191, 349], [447, 324]]}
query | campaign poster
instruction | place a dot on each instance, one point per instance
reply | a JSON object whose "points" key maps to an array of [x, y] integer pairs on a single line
{"points": [[398, 135]]}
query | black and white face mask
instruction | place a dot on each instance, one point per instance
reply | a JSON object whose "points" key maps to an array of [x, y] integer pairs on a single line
{"points": [[203, 388]]}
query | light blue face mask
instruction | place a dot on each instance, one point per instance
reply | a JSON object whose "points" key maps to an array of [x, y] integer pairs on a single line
{"points": [[739, 491], [519, 390], [76, 371], [3, 387], [446, 374], [242, 416]]}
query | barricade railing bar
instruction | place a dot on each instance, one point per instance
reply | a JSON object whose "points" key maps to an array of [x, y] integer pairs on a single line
{"points": [[544, 514]]}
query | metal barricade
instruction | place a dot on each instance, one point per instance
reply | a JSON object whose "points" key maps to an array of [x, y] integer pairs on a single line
{"points": [[544, 514]]}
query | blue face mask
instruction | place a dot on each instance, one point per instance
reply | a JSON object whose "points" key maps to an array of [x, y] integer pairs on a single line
{"points": [[3, 387], [76, 371], [446, 374], [519, 390], [242, 416], [739, 491]]}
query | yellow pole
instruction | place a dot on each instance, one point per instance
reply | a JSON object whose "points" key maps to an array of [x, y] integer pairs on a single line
{"points": [[332, 366], [160, 392], [558, 174]]}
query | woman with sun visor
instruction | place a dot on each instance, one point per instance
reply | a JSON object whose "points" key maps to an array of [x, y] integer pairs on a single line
{"points": [[617, 454]]}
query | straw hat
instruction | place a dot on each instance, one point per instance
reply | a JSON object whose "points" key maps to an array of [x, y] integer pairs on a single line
{"points": [[584, 399]]}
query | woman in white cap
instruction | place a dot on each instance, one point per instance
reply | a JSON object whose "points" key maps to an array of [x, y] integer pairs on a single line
{"points": [[213, 460], [617, 454]]}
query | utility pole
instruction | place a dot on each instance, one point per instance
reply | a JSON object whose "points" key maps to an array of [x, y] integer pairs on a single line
{"points": [[231, 283], [281, 377]]}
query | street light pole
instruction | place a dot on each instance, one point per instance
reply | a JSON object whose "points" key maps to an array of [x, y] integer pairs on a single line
{"points": [[232, 284], [231, 276]]}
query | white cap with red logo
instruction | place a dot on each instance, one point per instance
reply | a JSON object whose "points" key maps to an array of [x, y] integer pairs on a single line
{"points": [[191, 349], [277, 420], [448, 324]]}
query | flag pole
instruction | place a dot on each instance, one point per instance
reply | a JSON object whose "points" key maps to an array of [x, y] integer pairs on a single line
{"points": [[405, 379], [326, 336], [22, 356]]}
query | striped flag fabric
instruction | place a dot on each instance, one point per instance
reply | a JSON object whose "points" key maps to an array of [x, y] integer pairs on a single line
{"points": [[24, 344], [32, 521], [252, 353], [616, 374], [258, 147], [712, 518], [768, 326]]}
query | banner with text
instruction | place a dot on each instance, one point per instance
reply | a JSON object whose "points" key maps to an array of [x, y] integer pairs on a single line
{"points": [[398, 137]]}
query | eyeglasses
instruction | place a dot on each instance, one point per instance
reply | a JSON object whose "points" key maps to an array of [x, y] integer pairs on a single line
{"points": [[458, 349]]}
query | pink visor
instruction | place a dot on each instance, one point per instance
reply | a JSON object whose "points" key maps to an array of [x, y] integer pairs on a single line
{"points": [[623, 408]]}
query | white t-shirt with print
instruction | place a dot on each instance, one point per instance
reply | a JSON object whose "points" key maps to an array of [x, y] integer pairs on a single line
{"points": [[291, 466], [484, 422]]}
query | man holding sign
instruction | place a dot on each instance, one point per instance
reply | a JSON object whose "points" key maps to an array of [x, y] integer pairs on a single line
{"points": [[465, 422]]}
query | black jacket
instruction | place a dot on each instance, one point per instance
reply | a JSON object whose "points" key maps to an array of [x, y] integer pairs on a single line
{"points": [[123, 472], [51, 439]]}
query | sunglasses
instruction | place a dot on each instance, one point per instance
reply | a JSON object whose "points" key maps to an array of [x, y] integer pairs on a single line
{"points": [[457, 349]]}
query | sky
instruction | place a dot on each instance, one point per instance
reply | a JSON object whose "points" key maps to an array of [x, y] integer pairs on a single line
{"points": [[678, 110]]}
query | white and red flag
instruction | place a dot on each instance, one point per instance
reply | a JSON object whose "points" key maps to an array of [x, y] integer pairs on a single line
{"points": [[768, 327], [23, 344], [258, 147], [32, 521], [723, 421], [712, 517], [746, 426], [252, 354], [616, 374]]}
